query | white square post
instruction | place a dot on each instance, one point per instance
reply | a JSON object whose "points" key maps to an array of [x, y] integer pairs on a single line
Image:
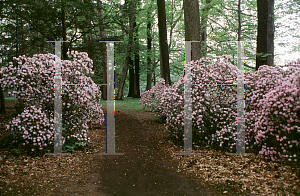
{"points": [[240, 119], [58, 102], [188, 133], [110, 129], [240, 144]]}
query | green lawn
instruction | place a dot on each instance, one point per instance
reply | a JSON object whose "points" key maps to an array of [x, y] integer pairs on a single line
{"points": [[128, 104], [10, 98]]}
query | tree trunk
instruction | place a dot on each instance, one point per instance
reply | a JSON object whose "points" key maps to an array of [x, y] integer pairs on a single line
{"points": [[239, 21], [136, 92], [132, 10], [203, 28], [149, 67], [103, 51], [163, 42], [265, 33], [154, 65], [17, 40], [64, 31], [192, 26], [131, 78], [104, 68]]}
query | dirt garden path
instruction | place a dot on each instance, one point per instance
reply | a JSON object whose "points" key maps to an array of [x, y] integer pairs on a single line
{"points": [[147, 168]]}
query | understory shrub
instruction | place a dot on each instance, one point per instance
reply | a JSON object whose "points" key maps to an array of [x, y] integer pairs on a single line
{"points": [[32, 129], [213, 106], [151, 98], [271, 127], [33, 77], [272, 124]]}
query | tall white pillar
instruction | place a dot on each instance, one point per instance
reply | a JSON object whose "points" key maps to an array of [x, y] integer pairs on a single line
{"points": [[110, 129], [58, 102]]}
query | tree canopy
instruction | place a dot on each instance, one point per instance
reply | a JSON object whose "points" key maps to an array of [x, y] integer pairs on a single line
{"points": [[27, 25]]}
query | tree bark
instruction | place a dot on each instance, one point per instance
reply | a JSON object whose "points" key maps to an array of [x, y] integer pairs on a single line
{"points": [[173, 22], [131, 78], [103, 51], [64, 31], [239, 21], [132, 10], [163, 42], [265, 33], [203, 28], [192, 26], [149, 67], [136, 92], [154, 65]]}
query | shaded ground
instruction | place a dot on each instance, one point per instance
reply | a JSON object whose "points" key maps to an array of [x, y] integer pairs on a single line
{"points": [[149, 167], [146, 168]]}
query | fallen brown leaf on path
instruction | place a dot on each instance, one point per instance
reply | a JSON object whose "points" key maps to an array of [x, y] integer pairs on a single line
{"points": [[242, 172]]}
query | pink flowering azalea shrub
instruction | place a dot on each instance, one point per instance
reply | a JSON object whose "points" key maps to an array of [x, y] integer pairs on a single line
{"points": [[151, 98], [271, 126], [32, 128], [172, 103], [33, 78], [271, 121], [213, 107]]}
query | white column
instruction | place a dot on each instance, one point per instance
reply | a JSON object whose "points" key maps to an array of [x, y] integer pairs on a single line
{"points": [[58, 102], [240, 119], [110, 128], [240, 144], [188, 140]]}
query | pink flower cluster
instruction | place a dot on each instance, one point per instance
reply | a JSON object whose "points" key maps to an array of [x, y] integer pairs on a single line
{"points": [[34, 79], [213, 106], [272, 126], [271, 121], [151, 98], [32, 127]]}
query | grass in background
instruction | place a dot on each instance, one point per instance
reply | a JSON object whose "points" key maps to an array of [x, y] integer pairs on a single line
{"points": [[11, 98], [128, 103]]}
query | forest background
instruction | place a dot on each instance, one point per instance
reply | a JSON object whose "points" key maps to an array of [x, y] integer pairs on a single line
{"points": [[153, 34]]}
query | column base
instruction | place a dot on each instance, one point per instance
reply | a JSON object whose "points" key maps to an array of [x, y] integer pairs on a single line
{"points": [[241, 154], [58, 154], [111, 153]]}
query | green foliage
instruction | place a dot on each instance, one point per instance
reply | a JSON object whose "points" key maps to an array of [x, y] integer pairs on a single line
{"points": [[27, 29], [161, 119], [17, 151], [11, 98], [286, 15], [6, 141], [72, 146], [83, 23]]}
